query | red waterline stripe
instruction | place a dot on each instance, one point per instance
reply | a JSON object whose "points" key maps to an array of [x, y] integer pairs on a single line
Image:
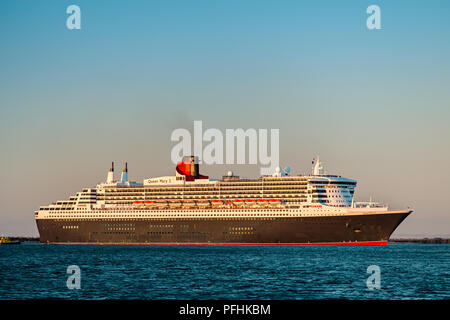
{"points": [[364, 243]]}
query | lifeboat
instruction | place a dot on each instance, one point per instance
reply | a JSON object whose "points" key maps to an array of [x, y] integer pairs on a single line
{"points": [[149, 203], [274, 202], [175, 204], [138, 204], [262, 202], [203, 203], [161, 203], [189, 203], [238, 202], [251, 203], [217, 202]]}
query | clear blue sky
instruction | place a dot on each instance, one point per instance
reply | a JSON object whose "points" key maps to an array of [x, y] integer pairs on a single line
{"points": [[374, 104]]}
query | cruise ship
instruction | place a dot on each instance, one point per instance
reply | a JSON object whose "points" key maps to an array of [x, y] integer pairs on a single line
{"points": [[190, 208]]}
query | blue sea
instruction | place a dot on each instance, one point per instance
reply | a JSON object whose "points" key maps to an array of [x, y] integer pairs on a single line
{"points": [[407, 271]]}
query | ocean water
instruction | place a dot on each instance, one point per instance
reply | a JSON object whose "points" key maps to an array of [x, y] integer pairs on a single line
{"points": [[407, 271]]}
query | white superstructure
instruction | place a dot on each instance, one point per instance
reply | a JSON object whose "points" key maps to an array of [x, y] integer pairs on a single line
{"points": [[181, 196]]}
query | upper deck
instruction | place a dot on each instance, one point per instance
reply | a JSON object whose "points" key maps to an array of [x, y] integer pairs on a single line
{"points": [[194, 190]]}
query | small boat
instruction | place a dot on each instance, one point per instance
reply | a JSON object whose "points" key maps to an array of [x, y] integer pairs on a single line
{"points": [[274, 202], [175, 204], [217, 202], [262, 203], [250, 203], [148, 204], [4, 240], [203, 203], [189, 204], [139, 204], [161, 204]]}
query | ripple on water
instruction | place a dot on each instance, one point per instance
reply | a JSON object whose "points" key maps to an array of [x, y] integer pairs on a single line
{"points": [[408, 271]]}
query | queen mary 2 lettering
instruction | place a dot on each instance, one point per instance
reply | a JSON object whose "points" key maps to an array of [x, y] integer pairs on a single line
{"points": [[190, 208]]}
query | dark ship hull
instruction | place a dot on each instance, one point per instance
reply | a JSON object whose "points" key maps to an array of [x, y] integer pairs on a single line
{"points": [[365, 229]]}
